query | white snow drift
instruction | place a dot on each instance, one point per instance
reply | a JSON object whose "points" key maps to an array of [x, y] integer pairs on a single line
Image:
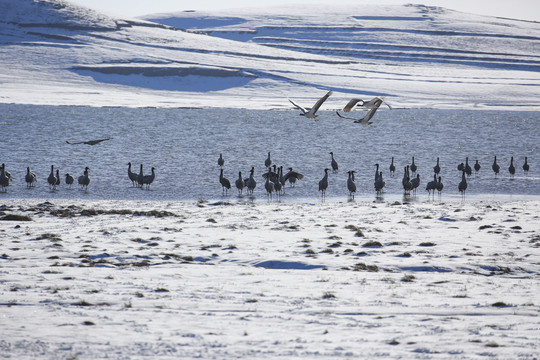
{"points": [[53, 52]]}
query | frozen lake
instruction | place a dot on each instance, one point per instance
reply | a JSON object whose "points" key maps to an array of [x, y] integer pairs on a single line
{"points": [[184, 145]]}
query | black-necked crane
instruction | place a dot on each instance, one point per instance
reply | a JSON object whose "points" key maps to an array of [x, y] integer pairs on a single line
{"points": [[351, 185], [84, 179], [437, 168], [240, 183], [30, 178], [225, 183], [495, 166], [333, 163], [323, 183], [512, 168], [52, 179], [526, 166], [310, 113]]}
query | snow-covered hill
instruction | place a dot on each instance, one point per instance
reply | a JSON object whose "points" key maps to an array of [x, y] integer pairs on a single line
{"points": [[53, 52]]}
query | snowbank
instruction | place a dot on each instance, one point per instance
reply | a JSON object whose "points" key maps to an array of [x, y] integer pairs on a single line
{"points": [[312, 280], [56, 53]]}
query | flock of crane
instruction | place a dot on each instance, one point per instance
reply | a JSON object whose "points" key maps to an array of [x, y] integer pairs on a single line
{"points": [[54, 178], [275, 180]]}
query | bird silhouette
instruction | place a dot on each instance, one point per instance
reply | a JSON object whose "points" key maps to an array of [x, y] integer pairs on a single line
{"points": [[292, 176], [477, 166], [413, 166], [437, 168], [462, 186], [221, 160], [351, 185], [52, 179], [149, 179], [431, 186], [526, 166], [251, 183], [495, 166], [69, 180], [392, 167], [89, 142], [132, 176], [240, 183], [323, 184], [4, 178], [310, 113], [225, 183], [30, 178], [84, 179], [512, 168], [333, 163]]}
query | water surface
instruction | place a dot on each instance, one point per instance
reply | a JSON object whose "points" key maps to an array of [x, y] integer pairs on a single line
{"points": [[184, 145]]}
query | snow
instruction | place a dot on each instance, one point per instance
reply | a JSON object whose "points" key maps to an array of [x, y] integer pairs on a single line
{"points": [[91, 279], [56, 53], [131, 279]]}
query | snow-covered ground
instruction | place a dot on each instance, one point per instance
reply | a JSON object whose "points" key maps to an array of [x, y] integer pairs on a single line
{"points": [[88, 280], [53, 52]]}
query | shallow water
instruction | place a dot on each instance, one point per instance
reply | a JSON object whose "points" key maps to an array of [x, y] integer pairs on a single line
{"points": [[184, 145]]}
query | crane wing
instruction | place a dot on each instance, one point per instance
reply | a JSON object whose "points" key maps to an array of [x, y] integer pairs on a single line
{"points": [[351, 104], [320, 102], [298, 106]]}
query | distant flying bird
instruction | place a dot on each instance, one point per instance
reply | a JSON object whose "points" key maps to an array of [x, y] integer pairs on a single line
{"points": [[310, 113], [371, 104], [90, 142]]}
